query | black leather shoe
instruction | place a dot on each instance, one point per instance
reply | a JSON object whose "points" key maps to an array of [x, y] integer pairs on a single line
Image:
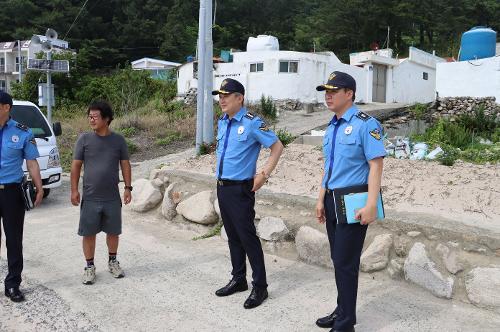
{"points": [[14, 294], [327, 321], [232, 287], [348, 330], [257, 296]]}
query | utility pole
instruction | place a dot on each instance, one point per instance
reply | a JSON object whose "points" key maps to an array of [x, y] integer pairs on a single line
{"points": [[208, 114], [49, 89], [200, 98]]}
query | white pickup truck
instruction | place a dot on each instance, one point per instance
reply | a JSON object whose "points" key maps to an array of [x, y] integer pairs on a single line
{"points": [[29, 114]]}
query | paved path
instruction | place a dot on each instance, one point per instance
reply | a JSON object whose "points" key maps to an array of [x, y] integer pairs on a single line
{"points": [[300, 122], [171, 279]]}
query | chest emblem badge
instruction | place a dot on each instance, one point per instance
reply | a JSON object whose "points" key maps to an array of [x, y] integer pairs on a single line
{"points": [[348, 130], [15, 138], [241, 129]]}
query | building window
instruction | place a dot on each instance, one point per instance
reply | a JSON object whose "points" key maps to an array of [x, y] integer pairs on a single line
{"points": [[3, 86], [289, 66], [425, 76], [257, 67]]}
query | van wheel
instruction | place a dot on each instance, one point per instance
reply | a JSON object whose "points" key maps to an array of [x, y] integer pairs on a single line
{"points": [[46, 193]]}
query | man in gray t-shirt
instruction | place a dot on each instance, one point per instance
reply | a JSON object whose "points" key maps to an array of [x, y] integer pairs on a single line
{"points": [[101, 153]]}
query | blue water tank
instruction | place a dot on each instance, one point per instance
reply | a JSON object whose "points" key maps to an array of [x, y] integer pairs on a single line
{"points": [[478, 43]]}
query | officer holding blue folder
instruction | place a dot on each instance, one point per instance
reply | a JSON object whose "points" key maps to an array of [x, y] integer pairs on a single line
{"points": [[353, 152]]}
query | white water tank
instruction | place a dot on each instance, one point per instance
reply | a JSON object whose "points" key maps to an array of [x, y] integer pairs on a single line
{"points": [[263, 43]]}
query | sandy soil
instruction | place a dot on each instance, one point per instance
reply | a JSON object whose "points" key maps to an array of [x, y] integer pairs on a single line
{"points": [[464, 192]]}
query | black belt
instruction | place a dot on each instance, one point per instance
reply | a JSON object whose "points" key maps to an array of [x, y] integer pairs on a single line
{"points": [[9, 185], [224, 182]]}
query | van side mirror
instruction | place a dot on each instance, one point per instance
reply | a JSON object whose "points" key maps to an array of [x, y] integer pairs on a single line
{"points": [[56, 126]]}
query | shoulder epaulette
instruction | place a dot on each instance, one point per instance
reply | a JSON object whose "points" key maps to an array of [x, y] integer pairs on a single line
{"points": [[221, 117], [22, 127], [249, 116], [363, 116]]}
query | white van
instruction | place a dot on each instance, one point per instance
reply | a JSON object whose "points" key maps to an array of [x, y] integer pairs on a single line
{"points": [[30, 115]]}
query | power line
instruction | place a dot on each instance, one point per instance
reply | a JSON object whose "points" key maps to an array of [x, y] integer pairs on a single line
{"points": [[76, 18]]}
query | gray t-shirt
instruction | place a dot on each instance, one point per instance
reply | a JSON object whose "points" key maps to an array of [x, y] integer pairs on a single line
{"points": [[101, 157]]}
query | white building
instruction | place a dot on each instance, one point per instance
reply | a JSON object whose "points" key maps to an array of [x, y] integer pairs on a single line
{"points": [[265, 70], [408, 80], [9, 58], [158, 69], [473, 78]]}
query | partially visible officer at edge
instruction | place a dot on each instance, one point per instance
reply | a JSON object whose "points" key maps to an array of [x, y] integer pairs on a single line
{"points": [[353, 153], [16, 144], [239, 140]]}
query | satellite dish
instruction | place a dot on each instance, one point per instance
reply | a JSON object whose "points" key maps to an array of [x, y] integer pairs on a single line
{"points": [[51, 34], [35, 40], [46, 46]]}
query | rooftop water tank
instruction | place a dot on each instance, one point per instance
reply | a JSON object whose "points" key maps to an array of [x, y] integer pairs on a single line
{"points": [[263, 43], [478, 43]]}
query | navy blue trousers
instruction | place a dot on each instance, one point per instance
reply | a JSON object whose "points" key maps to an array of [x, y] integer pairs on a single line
{"points": [[12, 214], [346, 244], [236, 204]]}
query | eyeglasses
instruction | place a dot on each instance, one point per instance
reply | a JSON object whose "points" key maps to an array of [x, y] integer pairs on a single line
{"points": [[93, 117]]}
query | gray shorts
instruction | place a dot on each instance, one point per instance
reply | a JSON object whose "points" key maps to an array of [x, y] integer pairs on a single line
{"points": [[100, 216]]}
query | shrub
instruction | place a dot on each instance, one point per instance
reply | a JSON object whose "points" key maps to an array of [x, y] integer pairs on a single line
{"points": [[285, 137], [132, 147], [267, 107], [171, 137]]}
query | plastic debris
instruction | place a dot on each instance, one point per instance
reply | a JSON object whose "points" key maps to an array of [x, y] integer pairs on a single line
{"points": [[434, 153], [402, 149], [419, 151]]}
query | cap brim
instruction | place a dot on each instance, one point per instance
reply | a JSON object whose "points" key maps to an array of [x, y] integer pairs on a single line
{"points": [[220, 92], [324, 87]]}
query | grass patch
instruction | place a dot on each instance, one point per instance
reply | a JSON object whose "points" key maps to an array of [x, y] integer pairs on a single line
{"points": [[213, 232], [267, 107], [464, 138], [132, 147], [171, 137]]}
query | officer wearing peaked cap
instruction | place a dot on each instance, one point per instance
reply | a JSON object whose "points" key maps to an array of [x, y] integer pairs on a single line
{"points": [[16, 144], [239, 140], [353, 155]]}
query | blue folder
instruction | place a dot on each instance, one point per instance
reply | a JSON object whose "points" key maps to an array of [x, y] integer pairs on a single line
{"points": [[354, 202], [349, 200]]}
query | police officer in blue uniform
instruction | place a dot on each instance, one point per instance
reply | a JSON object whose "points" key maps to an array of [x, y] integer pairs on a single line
{"points": [[239, 140], [16, 144], [353, 155]]}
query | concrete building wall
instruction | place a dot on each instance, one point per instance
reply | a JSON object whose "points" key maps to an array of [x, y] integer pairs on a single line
{"points": [[409, 85], [477, 78]]}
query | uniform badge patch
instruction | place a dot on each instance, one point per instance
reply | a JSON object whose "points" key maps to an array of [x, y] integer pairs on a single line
{"points": [[241, 129], [263, 126], [33, 141], [223, 84], [331, 77], [15, 138], [348, 130], [375, 133]]}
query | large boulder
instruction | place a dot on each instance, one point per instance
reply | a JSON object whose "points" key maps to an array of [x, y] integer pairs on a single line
{"points": [[170, 200], [146, 196], [272, 229], [419, 269], [198, 208], [483, 286], [217, 208], [313, 246], [376, 256]]}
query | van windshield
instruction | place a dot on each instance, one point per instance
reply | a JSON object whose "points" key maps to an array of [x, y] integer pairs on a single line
{"points": [[31, 117]]}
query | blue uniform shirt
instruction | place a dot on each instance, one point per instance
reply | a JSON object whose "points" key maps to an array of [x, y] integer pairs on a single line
{"points": [[16, 144], [349, 143], [238, 145]]}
